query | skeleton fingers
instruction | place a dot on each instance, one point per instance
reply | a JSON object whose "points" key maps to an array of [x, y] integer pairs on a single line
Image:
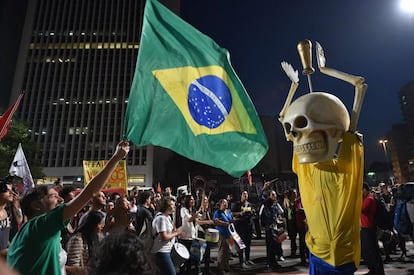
{"points": [[293, 75], [357, 81]]}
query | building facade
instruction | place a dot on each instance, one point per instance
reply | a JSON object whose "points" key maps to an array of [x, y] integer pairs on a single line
{"points": [[401, 137], [76, 64]]}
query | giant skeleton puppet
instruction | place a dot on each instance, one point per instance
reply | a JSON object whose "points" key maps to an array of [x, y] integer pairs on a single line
{"points": [[319, 126]]}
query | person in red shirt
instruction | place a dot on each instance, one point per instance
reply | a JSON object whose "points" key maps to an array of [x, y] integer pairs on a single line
{"points": [[369, 243]]}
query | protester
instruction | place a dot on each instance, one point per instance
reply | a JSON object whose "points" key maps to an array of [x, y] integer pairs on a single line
{"points": [[7, 199], [132, 205], [168, 192], [36, 248], [98, 203], [244, 211], [289, 206], [386, 235], [81, 245], [222, 218], [302, 228], [164, 232], [188, 218], [205, 222], [271, 218], [369, 243], [144, 212], [119, 217], [109, 206], [121, 253]]}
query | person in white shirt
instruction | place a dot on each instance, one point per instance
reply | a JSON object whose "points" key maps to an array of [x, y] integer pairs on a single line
{"points": [[188, 218], [165, 233]]}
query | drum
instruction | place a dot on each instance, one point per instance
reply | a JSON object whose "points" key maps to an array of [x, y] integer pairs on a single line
{"points": [[179, 254], [212, 235]]}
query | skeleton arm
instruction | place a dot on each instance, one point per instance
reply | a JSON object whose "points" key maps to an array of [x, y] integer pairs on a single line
{"points": [[293, 75], [357, 81]]}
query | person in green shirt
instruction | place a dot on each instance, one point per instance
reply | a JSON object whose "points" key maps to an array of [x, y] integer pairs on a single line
{"points": [[36, 247]]}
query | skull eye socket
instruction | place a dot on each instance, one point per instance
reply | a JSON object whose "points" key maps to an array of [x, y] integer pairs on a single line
{"points": [[300, 122]]}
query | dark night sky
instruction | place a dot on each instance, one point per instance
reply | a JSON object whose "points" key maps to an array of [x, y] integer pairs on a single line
{"points": [[371, 38]]}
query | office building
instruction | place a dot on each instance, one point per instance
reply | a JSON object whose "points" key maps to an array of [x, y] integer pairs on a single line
{"points": [[76, 64]]}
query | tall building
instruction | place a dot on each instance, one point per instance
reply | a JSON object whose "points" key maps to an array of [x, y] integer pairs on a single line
{"points": [[398, 138], [401, 137], [76, 64]]}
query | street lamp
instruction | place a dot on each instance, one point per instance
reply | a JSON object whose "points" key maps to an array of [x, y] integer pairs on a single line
{"points": [[384, 142]]}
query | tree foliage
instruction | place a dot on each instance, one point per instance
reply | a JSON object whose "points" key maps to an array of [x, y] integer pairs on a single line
{"points": [[18, 133]]}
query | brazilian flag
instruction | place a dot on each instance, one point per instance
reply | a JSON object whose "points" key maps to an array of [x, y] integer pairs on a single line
{"points": [[185, 96]]}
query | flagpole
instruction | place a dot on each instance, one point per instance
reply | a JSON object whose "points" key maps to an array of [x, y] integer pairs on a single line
{"points": [[10, 114], [189, 183]]}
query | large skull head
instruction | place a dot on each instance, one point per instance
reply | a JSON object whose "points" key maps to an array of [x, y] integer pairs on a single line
{"points": [[315, 123]]}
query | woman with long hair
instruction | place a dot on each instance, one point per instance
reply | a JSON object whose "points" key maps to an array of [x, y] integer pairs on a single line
{"points": [[165, 233], [205, 222], [81, 245], [188, 217]]}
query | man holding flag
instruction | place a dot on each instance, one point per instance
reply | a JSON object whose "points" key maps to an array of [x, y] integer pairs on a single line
{"points": [[36, 247], [185, 96]]}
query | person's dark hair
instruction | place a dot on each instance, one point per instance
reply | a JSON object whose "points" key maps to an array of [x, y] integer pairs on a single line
{"points": [[8, 180], [142, 197], [87, 228], [119, 201], [35, 194], [120, 253], [165, 203], [187, 201], [220, 202], [366, 186], [65, 191], [113, 195]]}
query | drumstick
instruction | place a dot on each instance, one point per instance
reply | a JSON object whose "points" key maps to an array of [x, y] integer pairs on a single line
{"points": [[273, 180], [209, 194], [173, 214]]}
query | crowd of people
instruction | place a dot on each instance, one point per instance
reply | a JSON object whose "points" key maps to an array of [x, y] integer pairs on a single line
{"points": [[61, 230], [391, 226], [58, 230]]}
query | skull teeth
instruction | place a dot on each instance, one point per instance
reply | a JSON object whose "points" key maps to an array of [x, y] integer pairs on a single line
{"points": [[309, 147]]}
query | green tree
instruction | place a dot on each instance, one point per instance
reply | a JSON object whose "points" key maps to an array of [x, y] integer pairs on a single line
{"points": [[18, 133]]}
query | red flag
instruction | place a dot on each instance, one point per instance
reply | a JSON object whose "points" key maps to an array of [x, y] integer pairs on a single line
{"points": [[159, 188], [5, 119], [249, 177]]}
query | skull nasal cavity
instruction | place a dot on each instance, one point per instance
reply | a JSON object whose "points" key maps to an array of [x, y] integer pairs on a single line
{"points": [[288, 127], [300, 122]]}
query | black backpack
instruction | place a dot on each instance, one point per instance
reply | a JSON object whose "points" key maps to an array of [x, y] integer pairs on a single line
{"points": [[383, 219]]}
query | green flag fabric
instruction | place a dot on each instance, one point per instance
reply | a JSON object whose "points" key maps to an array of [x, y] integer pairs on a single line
{"points": [[185, 96]]}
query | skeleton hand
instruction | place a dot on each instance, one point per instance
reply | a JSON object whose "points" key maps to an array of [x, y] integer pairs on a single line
{"points": [[293, 75], [290, 72], [357, 81], [320, 55]]}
